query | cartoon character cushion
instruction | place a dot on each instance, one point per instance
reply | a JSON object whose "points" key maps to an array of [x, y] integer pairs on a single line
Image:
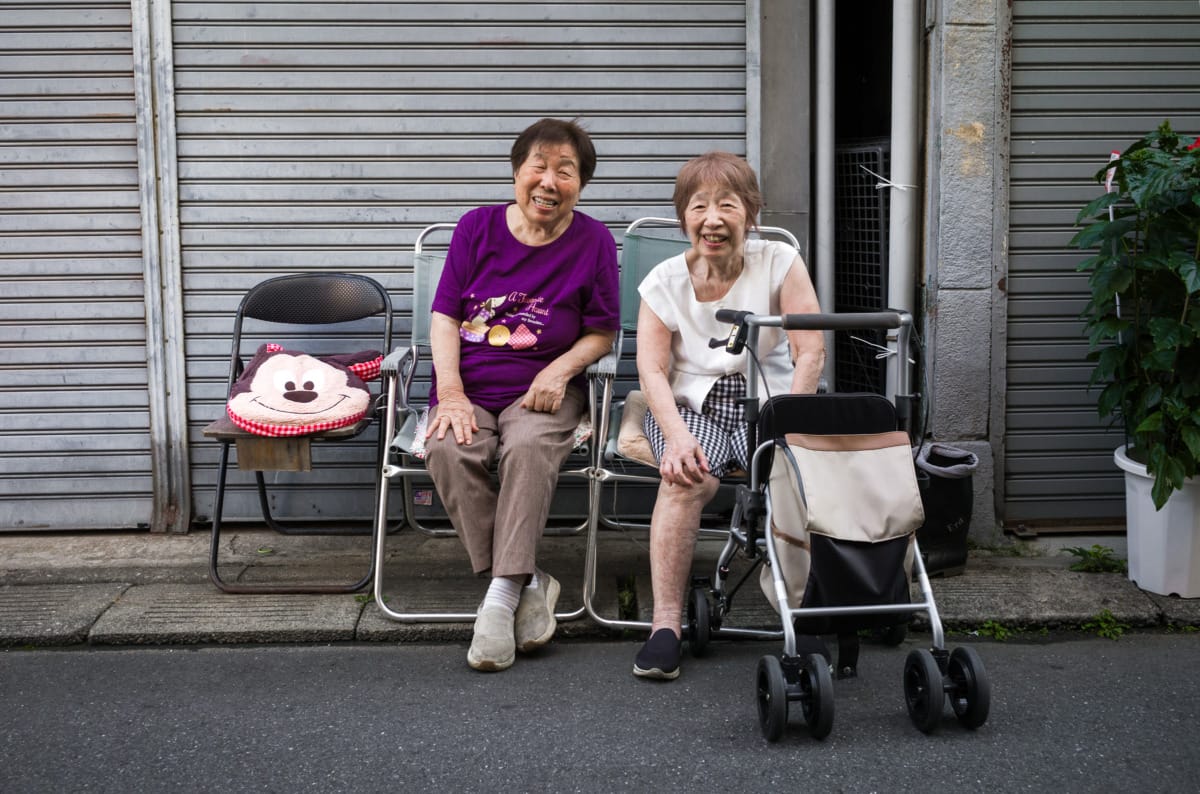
{"points": [[287, 393]]}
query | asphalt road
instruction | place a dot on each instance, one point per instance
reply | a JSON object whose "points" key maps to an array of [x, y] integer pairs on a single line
{"points": [[1069, 715]]}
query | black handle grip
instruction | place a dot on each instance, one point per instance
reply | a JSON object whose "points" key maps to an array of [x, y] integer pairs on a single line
{"points": [[841, 321], [846, 321], [732, 316]]}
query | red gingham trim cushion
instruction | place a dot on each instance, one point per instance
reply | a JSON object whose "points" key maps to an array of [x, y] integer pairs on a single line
{"points": [[367, 370], [261, 429]]}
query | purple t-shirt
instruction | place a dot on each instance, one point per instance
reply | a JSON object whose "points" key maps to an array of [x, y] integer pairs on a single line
{"points": [[521, 306]]}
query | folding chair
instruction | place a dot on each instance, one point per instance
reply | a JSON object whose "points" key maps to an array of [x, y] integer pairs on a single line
{"points": [[404, 381], [320, 309], [625, 457]]}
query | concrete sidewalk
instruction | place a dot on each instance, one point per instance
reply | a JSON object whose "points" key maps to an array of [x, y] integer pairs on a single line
{"points": [[118, 589]]}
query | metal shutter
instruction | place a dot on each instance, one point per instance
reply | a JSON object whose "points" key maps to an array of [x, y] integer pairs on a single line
{"points": [[319, 135], [1087, 78], [75, 442]]}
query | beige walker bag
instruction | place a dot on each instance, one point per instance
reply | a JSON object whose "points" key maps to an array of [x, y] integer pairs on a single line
{"points": [[854, 492]]}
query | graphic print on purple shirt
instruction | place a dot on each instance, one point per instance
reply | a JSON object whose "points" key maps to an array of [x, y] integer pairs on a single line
{"points": [[521, 306], [514, 316]]}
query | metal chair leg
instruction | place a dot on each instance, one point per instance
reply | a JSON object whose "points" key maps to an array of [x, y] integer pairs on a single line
{"points": [[232, 587]]}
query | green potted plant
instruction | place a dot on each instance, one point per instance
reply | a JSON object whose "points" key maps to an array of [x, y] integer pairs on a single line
{"points": [[1143, 322]]}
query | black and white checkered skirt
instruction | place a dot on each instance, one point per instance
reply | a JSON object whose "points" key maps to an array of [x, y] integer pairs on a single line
{"points": [[720, 427]]}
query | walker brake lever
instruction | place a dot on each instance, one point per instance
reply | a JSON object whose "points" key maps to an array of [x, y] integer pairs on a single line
{"points": [[736, 341]]}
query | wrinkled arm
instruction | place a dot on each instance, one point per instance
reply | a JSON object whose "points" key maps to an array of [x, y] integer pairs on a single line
{"points": [[683, 461], [797, 296], [454, 410]]}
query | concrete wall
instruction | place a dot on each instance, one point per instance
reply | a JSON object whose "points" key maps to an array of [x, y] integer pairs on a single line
{"points": [[966, 147], [786, 117]]}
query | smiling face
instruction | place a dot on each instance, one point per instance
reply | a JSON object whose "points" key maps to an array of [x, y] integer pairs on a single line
{"points": [[296, 390], [715, 220], [548, 185]]}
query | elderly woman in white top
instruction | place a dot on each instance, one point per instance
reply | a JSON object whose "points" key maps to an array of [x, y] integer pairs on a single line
{"points": [[695, 425]]}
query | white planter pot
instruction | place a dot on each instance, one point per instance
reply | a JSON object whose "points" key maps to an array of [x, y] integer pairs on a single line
{"points": [[1164, 545]]}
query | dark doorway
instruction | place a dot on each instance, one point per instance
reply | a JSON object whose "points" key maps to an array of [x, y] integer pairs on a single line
{"points": [[862, 100]]}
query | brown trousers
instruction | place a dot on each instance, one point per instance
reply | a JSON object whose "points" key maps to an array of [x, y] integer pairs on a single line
{"points": [[500, 525]]}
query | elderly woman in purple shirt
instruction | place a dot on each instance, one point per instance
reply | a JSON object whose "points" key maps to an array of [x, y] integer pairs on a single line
{"points": [[527, 300]]}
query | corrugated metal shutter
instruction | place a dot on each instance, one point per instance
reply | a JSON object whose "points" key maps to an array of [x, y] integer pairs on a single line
{"points": [[74, 443], [324, 135], [1087, 78]]}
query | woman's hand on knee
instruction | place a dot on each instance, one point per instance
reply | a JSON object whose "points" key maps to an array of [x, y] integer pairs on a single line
{"points": [[683, 462], [453, 413]]}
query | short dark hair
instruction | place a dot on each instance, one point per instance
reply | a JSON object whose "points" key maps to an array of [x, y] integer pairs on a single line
{"points": [[556, 131], [723, 170]]}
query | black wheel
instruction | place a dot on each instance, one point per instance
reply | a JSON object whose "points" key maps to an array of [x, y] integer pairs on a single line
{"points": [[892, 636], [971, 696], [816, 695], [923, 690], [699, 622], [772, 698]]}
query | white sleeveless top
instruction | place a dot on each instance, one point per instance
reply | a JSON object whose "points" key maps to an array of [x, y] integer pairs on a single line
{"points": [[695, 367]]}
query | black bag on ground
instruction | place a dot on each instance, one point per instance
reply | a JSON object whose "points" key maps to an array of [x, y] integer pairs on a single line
{"points": [[944, 474]]}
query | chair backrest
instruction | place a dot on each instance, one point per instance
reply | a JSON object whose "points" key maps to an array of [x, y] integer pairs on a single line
{"points": [[312, 299], [427, 271], [315, 298], [649, 241]]}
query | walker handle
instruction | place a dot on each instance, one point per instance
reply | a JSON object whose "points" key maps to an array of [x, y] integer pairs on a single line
{"points": [[732, 316], [845, 321], [841, 321]]}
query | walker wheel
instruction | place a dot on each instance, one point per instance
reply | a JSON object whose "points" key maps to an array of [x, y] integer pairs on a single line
{"points": [[699, 622], [816, 695], [772, 698], [971, 695], [923, 689]]}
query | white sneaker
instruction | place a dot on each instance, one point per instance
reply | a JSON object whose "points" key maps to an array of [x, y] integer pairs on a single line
{"points": [[535, 621], [492, 647]]}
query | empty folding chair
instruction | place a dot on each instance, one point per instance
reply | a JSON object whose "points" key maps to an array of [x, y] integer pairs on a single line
{"points": [[289, 394]]}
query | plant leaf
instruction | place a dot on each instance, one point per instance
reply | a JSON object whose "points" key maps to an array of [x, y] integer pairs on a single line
{"points": [[1106, 328], [1167, 332], [1098, 206], [1191, 439], [1096, 233], [1110, 400], [1110, 278], [1159, 361], [1089, 236], [1152, 422], [1109, 363], [1167, 479], [1189, 272]]}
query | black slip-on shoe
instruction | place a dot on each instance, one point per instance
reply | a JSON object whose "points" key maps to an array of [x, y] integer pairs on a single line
{"points": [[659, 657]]}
